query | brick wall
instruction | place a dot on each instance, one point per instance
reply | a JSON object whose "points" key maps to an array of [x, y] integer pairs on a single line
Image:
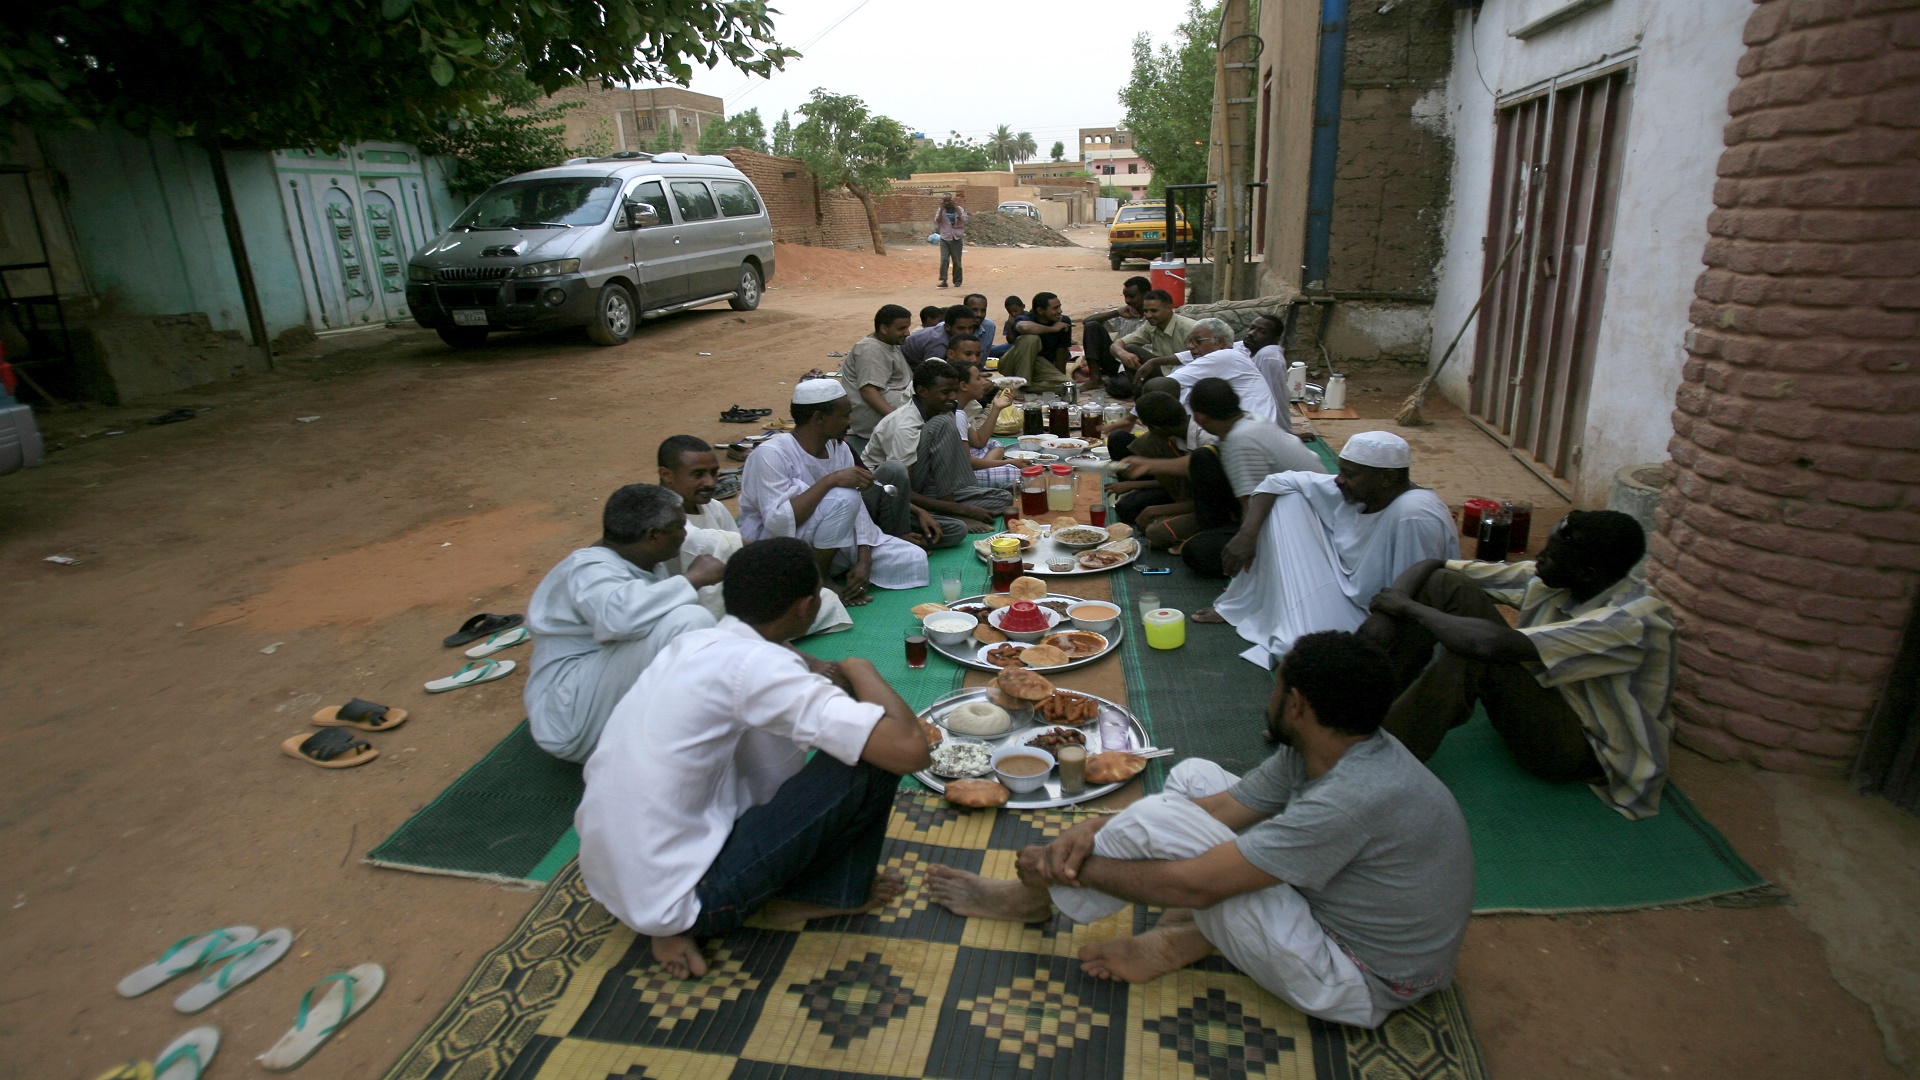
{"points": [[1789, 540], [801, 213]]}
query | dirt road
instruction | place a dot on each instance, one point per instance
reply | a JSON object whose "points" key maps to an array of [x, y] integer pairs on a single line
{"points": [[242, 569]]}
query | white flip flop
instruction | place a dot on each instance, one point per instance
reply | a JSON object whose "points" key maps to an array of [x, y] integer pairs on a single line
{"points": [[347, 994], [472, 674], [505, 639], [243, 962], [183, 956], [187, 1057]]}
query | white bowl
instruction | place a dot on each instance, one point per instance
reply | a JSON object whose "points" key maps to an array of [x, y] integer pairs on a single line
{"points": [[1077, 545], [949, 637], [1032, 442], [1053, 620], [1021, 784], [1100, 452], [1098, 626], [1072, 446]]}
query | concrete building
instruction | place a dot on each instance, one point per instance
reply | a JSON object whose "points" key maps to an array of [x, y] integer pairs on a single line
{"points": [[633, 118], [1122, 168], [1104, 138]]}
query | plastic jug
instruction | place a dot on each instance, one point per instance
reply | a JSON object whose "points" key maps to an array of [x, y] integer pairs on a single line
{"points": [[1166, 628]]}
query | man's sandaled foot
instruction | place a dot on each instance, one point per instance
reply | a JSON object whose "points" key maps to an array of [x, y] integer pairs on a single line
{"points": [[975, 897], [680, 956], [887, 887], [1168, 947], [1207, 615]]}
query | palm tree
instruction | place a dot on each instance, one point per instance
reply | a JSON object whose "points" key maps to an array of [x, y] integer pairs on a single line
{"points": [[1002, 145], [1024, 147]]}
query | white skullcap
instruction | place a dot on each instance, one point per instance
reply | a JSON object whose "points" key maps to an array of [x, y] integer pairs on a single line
{"points": [[815, 391], [1379, 449]]}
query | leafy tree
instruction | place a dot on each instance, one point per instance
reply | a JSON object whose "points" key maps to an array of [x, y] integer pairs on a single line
{"points": [[1002, 145], [598, 141], [746, 129], [516, 135], [667, 140], [1024, 147], [1059, 151], [277, 73], [844, 145], [955, 155], [1169, 99], [783, 136]]}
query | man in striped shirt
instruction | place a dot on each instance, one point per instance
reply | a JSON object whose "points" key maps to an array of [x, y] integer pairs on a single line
{"points": [[1580, 690]]}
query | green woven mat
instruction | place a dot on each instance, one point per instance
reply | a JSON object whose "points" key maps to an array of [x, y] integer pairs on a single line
{"points": [[1537, 847], [879, 630]]}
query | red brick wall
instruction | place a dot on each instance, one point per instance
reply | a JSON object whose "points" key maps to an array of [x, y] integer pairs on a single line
{"points": [[1789, 541], [801, 213]]}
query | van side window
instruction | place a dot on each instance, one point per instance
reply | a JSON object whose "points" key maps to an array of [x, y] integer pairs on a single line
{"points": [[694, 202], [655, 196], [736, 198]]}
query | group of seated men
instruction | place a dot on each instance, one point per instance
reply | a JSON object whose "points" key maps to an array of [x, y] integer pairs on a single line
{"points": [[1338, 874]]}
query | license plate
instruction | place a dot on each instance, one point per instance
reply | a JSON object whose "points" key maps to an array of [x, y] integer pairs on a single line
{"points": [[1151, 234], [469, 317]]}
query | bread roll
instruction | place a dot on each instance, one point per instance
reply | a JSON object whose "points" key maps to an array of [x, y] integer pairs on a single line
{"points": [[977, 793], [1119, 530], [1064, 521], [1027, 588], [978, 718], [987, 635], [921, 611], [1114, 767], [1024, 685], [998, 600], [1043, 656]]}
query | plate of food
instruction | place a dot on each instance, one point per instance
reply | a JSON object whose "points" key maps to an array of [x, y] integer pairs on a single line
{"points": [[1064, 645], [1078, 537], [1113, 739], [1008, 382], [1049, 556]]}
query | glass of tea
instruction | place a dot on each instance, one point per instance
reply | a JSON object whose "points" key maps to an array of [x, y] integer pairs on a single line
{"points": [[916, 646]]}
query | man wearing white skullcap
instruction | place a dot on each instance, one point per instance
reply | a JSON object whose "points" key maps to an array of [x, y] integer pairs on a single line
{"points": [[806, 483], [1312, 550]]}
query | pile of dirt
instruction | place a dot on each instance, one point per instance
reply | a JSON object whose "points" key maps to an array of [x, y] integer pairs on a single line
{"points": [[991, 228]]}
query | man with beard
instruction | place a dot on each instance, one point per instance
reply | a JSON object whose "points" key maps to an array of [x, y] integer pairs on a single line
{"points": [[1101, 329], [690, 469], [1313, 549], [1337, 875], [923, 439], [876, 374], [1580, 690], [930, 342]]}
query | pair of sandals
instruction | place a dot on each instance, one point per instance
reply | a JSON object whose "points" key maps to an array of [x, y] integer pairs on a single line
{"points": [[336, 747], [502, 632], [737, 415]]}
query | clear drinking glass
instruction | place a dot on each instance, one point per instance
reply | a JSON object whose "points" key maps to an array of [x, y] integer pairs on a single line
{"points": [[949, 585], [1147, 602]]}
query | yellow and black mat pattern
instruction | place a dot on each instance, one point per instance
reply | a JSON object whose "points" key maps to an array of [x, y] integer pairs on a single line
{"points": [[907, 992]]}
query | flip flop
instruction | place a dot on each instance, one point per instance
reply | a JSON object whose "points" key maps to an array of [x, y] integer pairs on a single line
{"points": [[505, 639], [330, 748], [183, 956], [350, 993], [737, 415], [243, 962], [187, 1057], [484, 671], [132, 1070], [729, 484], [360, 715], [480, 626]]}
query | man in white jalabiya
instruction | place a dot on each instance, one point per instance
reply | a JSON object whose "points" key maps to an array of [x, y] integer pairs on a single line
{"points": [[1313, 549], [602, 615], [806, 483], [1212, 355], [1262, 346], [690, 469]]}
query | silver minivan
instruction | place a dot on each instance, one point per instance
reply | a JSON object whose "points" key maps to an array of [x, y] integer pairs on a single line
{"points": [[597, 242]]}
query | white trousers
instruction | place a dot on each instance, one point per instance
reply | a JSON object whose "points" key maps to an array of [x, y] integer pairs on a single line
{"points": [[567, 724], [835, 525], [1270, 934], [1293, 589]]}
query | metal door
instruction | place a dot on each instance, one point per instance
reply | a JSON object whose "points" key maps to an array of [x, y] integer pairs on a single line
{"points": [[1556, 177], [356, 218], [658, 251]]}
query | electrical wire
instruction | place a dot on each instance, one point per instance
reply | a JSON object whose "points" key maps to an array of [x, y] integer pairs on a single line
{"points": [[756, 83], [1473, 43]]}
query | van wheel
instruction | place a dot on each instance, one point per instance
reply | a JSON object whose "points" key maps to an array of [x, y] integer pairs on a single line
{"points": [[463, 337], [747, 296], [614, 323], [1114, 261]]}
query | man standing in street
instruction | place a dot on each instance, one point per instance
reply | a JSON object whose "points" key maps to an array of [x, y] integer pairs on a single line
{"points": [[876, 374], [950, 221]]}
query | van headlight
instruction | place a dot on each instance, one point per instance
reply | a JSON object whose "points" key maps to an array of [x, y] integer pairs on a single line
{"points": [[548, 269], [419, 273]]}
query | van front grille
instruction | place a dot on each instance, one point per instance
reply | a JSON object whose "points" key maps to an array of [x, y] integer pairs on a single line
{"points": [[476, 297], [474, 273]]}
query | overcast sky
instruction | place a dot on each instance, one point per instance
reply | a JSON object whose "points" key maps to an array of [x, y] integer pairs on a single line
{"points": [[938, 68]]}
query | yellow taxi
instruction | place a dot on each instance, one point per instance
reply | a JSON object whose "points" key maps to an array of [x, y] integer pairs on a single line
{"points": [[1139, 232]]}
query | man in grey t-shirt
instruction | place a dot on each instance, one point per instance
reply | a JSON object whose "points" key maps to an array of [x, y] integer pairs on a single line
{"points": [[876, 374], [1338, 874]]}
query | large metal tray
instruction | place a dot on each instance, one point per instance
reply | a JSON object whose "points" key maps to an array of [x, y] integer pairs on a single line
{"points": [[1044, 549], [968, 652], [1047, 795]]}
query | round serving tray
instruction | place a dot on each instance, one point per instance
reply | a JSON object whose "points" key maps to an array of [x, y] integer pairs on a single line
{"points": [[968, 651], [1044, 549], [1048, 794]]}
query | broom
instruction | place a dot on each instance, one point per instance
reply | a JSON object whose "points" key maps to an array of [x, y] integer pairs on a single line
{"points": [[1409, 414]]}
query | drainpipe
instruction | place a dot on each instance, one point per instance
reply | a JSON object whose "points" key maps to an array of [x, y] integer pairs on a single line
{"points": [[1326, 141], [237, 247]]}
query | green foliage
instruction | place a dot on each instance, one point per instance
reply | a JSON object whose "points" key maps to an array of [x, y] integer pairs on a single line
{"points": [[1059, 152], [514, 134], [666, 140], [955, 155], [1169, 99], [278, 73], [1024, 147], [783, 136], [845, 145], [599, 141], [746, 129], [1108, 191]]}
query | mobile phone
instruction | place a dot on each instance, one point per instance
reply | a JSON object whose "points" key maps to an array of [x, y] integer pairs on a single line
{"points": [[1153, 569]]}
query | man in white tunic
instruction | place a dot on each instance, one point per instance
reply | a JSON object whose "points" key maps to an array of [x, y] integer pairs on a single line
{"points": [[690, 469], [806, 483], [1213, 356], [1338, 874], [1262, 346], [1313, 549], [701, 806], [605, 612]]}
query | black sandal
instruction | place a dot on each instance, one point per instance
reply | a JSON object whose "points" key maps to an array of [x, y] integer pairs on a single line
{"points": [[481, 626], [330, 748], [361, 715], [738, 415]]}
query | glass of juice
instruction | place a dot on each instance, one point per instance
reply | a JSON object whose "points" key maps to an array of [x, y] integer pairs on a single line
{"points": [[949, 585], [1073, 769], [1097, 514], [916, 646]]}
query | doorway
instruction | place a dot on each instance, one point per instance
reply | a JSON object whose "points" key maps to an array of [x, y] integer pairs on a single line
{"points": [[356, 218]]}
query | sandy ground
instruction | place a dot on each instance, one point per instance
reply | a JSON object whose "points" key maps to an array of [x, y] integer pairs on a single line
{"points": [[243, 569]]}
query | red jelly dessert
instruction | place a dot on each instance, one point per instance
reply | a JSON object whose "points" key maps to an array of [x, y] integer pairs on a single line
{"points": [[1024, 616]]}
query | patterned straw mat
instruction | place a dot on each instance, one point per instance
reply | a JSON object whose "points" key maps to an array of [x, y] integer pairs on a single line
{"points": [[911, 991]]}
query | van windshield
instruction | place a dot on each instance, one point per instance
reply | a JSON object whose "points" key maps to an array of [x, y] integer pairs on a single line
{"points": [[542, 204]]}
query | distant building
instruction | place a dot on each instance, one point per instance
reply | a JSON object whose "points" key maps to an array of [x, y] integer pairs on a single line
{"points": [[632, 118], [1029, 171], [1104, 138], [1122, 168]]}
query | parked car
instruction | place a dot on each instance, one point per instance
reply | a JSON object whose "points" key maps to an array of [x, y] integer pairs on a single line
{"points": [[1021, 209], [1139, 232], [20, 443], [597, 242]]}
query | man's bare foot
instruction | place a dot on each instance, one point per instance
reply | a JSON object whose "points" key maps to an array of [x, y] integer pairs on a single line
{"points": [[1168, 947], [680, 956], [1207, 615], [975, 897], [887, 886]]}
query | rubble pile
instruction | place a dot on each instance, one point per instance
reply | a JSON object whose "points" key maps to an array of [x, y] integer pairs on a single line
{"points": [[991, 228]]}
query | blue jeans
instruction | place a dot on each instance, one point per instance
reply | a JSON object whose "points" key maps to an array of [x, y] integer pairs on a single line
{"points": [[816, 842]]}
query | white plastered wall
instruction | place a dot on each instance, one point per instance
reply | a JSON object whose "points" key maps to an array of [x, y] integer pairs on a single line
{"points": [[1684, 54]]}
